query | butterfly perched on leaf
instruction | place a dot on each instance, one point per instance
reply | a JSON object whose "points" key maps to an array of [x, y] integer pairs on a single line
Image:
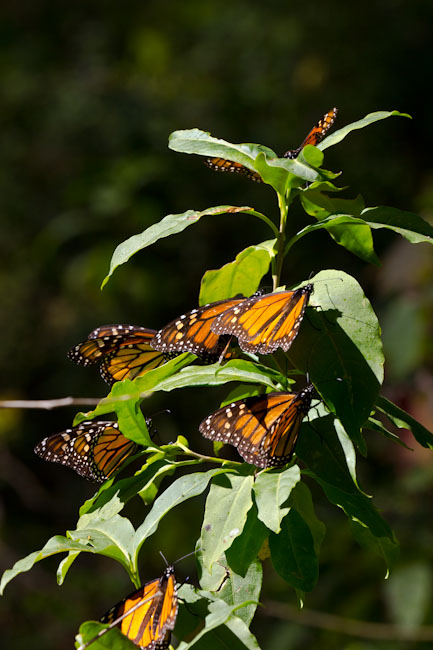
{"points": [[95, 449], [149, 625], [264, 428], [264, 323], [123, 351], [314, 136], [192, 332]]}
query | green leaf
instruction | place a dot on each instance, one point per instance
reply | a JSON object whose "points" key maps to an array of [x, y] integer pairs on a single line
{"points": [[227, 506], [339, 345], [376, 425], [112, 640], [65, 565], [355, 236], [57, 544], [385, 547], [215, 375], [229, 630], [242, 276], [337, 136], [292, 553], [184, 488], [348, 449], [111, 537], [169, 225], [410, 226], [246, 546], [403, 420], [302, 501], [238, 589], [271, 491]]}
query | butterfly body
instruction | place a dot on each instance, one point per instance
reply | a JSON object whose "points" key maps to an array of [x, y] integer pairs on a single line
{"points": [[123, 351], [95, 449], [149, 625], [192, 332], [264, 429], [223, 165], [264, 323]]}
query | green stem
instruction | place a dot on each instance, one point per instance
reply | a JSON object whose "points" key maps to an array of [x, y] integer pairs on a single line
{"points": [[202, 458], [266, 219], [283, 204]]}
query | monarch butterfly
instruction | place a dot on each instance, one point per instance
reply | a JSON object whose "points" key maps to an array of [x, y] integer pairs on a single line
{"points": [[149, 625], [316, 134], [94, 449], [192, 332], [124, 352], [264, 323], [264, 429], [223, 165]]}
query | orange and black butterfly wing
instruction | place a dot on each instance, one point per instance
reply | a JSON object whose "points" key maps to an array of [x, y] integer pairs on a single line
{"points": [[149, 625], [192, 332], [124, 352], [264, 428], [264, 323], [316, 134], [94, 449], [223, 165]]}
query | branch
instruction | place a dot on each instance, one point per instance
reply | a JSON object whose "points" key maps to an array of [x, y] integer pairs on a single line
{"points": [[49, 403], [350, 626]]}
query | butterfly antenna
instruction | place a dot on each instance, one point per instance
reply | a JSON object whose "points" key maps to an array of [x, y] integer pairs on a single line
{"points": [[164, 558], [187, 555]]}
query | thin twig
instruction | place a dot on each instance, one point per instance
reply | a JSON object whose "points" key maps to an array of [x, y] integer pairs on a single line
{"points": [[350, 626], [49, 404]]}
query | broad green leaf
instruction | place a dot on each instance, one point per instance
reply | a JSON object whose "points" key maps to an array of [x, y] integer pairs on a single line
{"points": [[403, 420], [356, 237], [339, 345], [292, 553], [112, 640], [169, 225], [57, 544], [337, 136], [65, 565], [247, 545], [385, 547], [359, 508], [242, 276], [408, 594], [229, 630], [215, 375], [348, 449], [111, 537], [271, 491], [241, 391], [238, 588], [407, 224], [184, 488], [119, 493], [302, 501], [274, 171], [227, 506]]}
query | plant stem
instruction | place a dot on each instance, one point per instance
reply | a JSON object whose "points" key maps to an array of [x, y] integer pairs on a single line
{"points": [[201, 457], [283, 204]]}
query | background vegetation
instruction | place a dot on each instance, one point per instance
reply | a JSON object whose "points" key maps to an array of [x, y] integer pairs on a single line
{"points": [[90, 95]]}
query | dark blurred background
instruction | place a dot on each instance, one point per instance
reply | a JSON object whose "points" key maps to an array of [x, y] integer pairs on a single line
{"points": [[89, 95]]}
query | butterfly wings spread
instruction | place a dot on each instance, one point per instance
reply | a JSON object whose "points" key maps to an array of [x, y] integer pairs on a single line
{"points": [[124, 352], [94, 449], [264, 323], [264, 429], [192, 332], [149, 625]]}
